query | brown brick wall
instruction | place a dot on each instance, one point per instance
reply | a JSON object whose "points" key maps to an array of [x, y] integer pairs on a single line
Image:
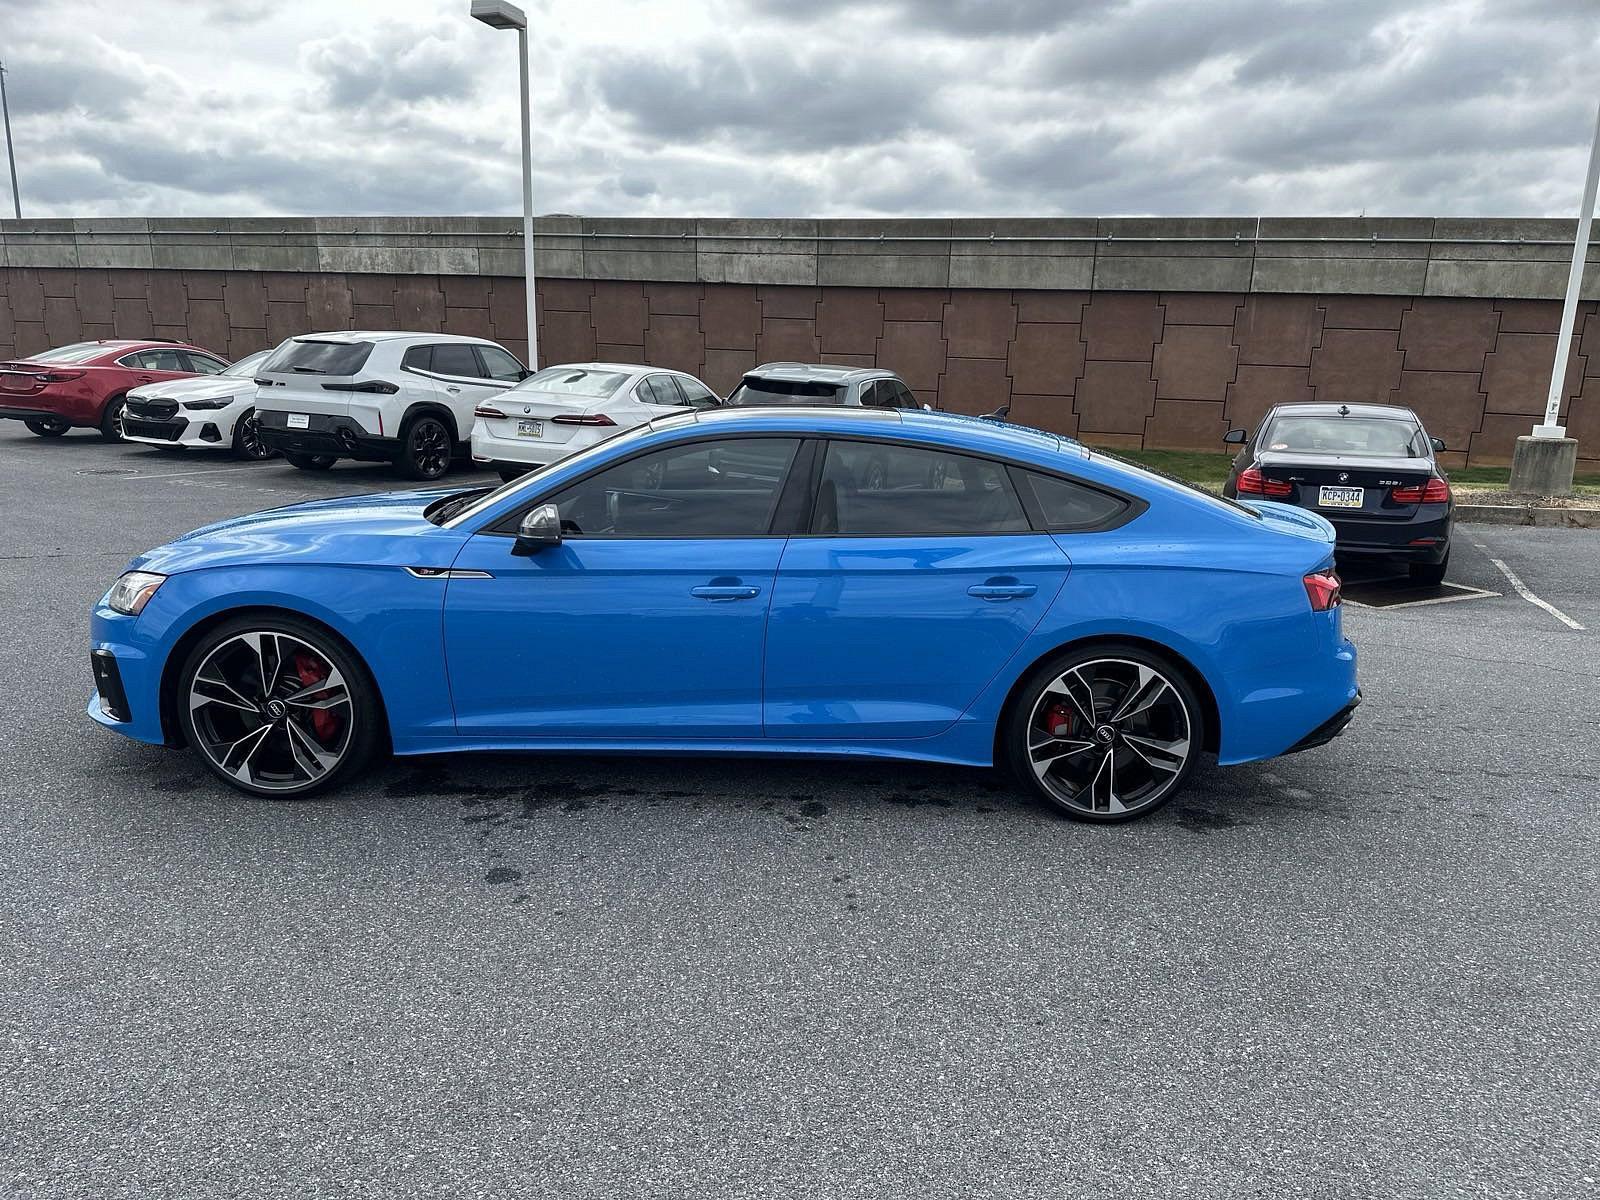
{"points": [[1160, 370]]}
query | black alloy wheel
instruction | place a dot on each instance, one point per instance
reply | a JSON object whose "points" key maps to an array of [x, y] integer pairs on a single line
{"points": [[247, 443], [111, 420], [426, 449], [308, 462]]}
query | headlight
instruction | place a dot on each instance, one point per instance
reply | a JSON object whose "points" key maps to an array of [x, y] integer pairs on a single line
{"points": [[208, 404], [132, 592]]}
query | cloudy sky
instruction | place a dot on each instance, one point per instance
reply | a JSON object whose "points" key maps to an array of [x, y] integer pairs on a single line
{"points": [[805, 107]]}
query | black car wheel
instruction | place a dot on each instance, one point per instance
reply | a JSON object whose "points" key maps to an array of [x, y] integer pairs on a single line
{"points": [[1105, 734], [426, 449], [276, 706], [47, 426], [111, 420], [247, 443], [1430, 573], [309, 462]]}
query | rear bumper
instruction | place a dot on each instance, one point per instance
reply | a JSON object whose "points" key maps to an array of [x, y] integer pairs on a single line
{"points": [[1424, 538], [13, 412], [1329, 729], [339, 436]]}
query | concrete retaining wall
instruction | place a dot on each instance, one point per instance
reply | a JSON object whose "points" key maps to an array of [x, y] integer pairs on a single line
{"points": [[1160, 333]]}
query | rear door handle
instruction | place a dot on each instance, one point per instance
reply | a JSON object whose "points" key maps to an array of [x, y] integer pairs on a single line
{"points": [[452, 389], [725, 592], [1002, 591]]}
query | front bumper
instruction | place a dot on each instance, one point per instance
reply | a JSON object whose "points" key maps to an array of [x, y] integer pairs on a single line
{"points": [[339, 436], [127, 675]]}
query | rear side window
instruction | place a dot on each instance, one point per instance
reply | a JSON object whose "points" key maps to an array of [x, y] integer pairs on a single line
{"points": [[456, 358], [753, 390], [418, 358], [157, 360], [1068, 505], [320, 358], [871, 489]]}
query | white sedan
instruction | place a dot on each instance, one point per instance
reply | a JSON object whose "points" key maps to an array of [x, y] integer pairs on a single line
{"points": [[210, 411], [568, 408]]}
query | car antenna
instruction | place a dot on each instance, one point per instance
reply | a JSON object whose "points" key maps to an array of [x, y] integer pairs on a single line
{"points": [[998, 414], [1344, 410]]}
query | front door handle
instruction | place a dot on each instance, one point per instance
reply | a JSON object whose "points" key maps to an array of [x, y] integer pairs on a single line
{"points": [[1002, 591], [712, 591]]}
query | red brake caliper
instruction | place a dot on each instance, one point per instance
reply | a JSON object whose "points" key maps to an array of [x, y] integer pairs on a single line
{"points": [[1059, 720], [311, 671]]}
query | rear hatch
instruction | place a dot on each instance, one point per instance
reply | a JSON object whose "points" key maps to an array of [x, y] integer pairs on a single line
{"points": [[314, 376], [1345, 485]]}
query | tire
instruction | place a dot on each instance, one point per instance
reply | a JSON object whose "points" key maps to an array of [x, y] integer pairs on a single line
{"points": [[281, 747], [47, 426], [426, 447], [247, 443], [1061, 755], [1430, 574], [308, 462], [111, 420]]}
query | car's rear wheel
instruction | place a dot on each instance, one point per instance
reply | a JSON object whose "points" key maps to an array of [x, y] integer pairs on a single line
{"points": [[247, 443], [308, 462], [47, 426], [425, 449], [1430, 573], [276, 706], [111, 420], [1107, 733]]}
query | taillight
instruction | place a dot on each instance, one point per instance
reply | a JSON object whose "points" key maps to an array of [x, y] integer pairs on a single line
{"points": [[582, 419], [1435, 491], [487, 410], [1323, 589], [60, 376], [1253, 483], [381, 387]]}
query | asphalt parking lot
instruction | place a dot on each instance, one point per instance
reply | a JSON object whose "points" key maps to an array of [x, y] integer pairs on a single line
{"points": [[1369, 969]]}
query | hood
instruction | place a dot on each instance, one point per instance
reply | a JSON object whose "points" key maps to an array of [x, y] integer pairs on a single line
{"points": [[199, 387], [383, 528]]}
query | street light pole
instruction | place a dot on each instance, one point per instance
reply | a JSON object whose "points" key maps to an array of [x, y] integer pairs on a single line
{"points": [[11, 154], [1543, 461], [498, 14]]}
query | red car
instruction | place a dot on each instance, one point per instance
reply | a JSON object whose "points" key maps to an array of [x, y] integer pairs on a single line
{"points": [[84, 384]]}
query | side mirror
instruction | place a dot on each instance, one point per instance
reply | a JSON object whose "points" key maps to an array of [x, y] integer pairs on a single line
{"points": [[540, 528], [1236, 437], [1438, 445]]}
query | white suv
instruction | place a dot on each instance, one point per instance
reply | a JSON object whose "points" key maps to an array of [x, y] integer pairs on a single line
{"points": [[405, 398]]}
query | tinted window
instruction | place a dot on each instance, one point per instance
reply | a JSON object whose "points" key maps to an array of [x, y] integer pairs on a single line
{"points": [[1384, 437], [1068, 505], [698, 394], [753, 390], [456, 358], [418, 358], [75, 353], [500, 364], [874, 395], [879, 489], [575, 381], [320, 358], [205, 364], [903, 397], [659, 389], [706, 489]]}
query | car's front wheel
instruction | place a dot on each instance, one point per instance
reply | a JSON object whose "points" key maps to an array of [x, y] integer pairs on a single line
{"points": [[247, 443], [1107, 733], [277, 706], [46, 426], [111, 420], [308, 462], [426, 448]]}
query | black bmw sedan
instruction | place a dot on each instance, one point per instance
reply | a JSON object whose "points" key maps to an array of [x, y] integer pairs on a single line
{"points": [[1368, 468]]}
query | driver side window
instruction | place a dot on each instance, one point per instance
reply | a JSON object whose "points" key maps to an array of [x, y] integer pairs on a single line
{"points": [[726, 488]]}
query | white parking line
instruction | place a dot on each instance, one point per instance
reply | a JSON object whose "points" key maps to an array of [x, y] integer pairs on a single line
{"points": [[1522, 589], [1466, 593]]}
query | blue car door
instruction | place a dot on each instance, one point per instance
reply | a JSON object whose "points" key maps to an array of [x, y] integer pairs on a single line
{"points": [[645, 622], [922, 575]]}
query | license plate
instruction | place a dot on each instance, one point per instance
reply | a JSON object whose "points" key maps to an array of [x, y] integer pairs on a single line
{"points": [[298, 421], [1340, 497], [16, 383], [530, 429]]}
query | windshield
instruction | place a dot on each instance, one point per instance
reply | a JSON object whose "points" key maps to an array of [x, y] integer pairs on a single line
{"points": [[574, 381], [753, 390], [76, 353], [320, 358], [1379, 437], [248, 364], [451, 515]]}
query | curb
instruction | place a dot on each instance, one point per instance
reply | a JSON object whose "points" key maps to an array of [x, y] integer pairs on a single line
{"points": [[1528, 514]]}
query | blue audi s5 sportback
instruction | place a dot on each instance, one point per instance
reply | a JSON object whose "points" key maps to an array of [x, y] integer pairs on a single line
{"points": [[846, 582]]}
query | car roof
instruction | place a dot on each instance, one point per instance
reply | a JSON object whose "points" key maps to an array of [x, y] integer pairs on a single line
{"points": [[977, 434], [388, 335], [1392, 411], [634, 368], [817, 372]]}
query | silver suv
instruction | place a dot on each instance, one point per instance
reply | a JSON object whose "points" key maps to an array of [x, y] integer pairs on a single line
{"points": [[802, 384], [405, 398]]}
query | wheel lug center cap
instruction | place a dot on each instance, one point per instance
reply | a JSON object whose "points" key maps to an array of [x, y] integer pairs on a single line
{"points": [[277, 709], [1104, 734]]}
